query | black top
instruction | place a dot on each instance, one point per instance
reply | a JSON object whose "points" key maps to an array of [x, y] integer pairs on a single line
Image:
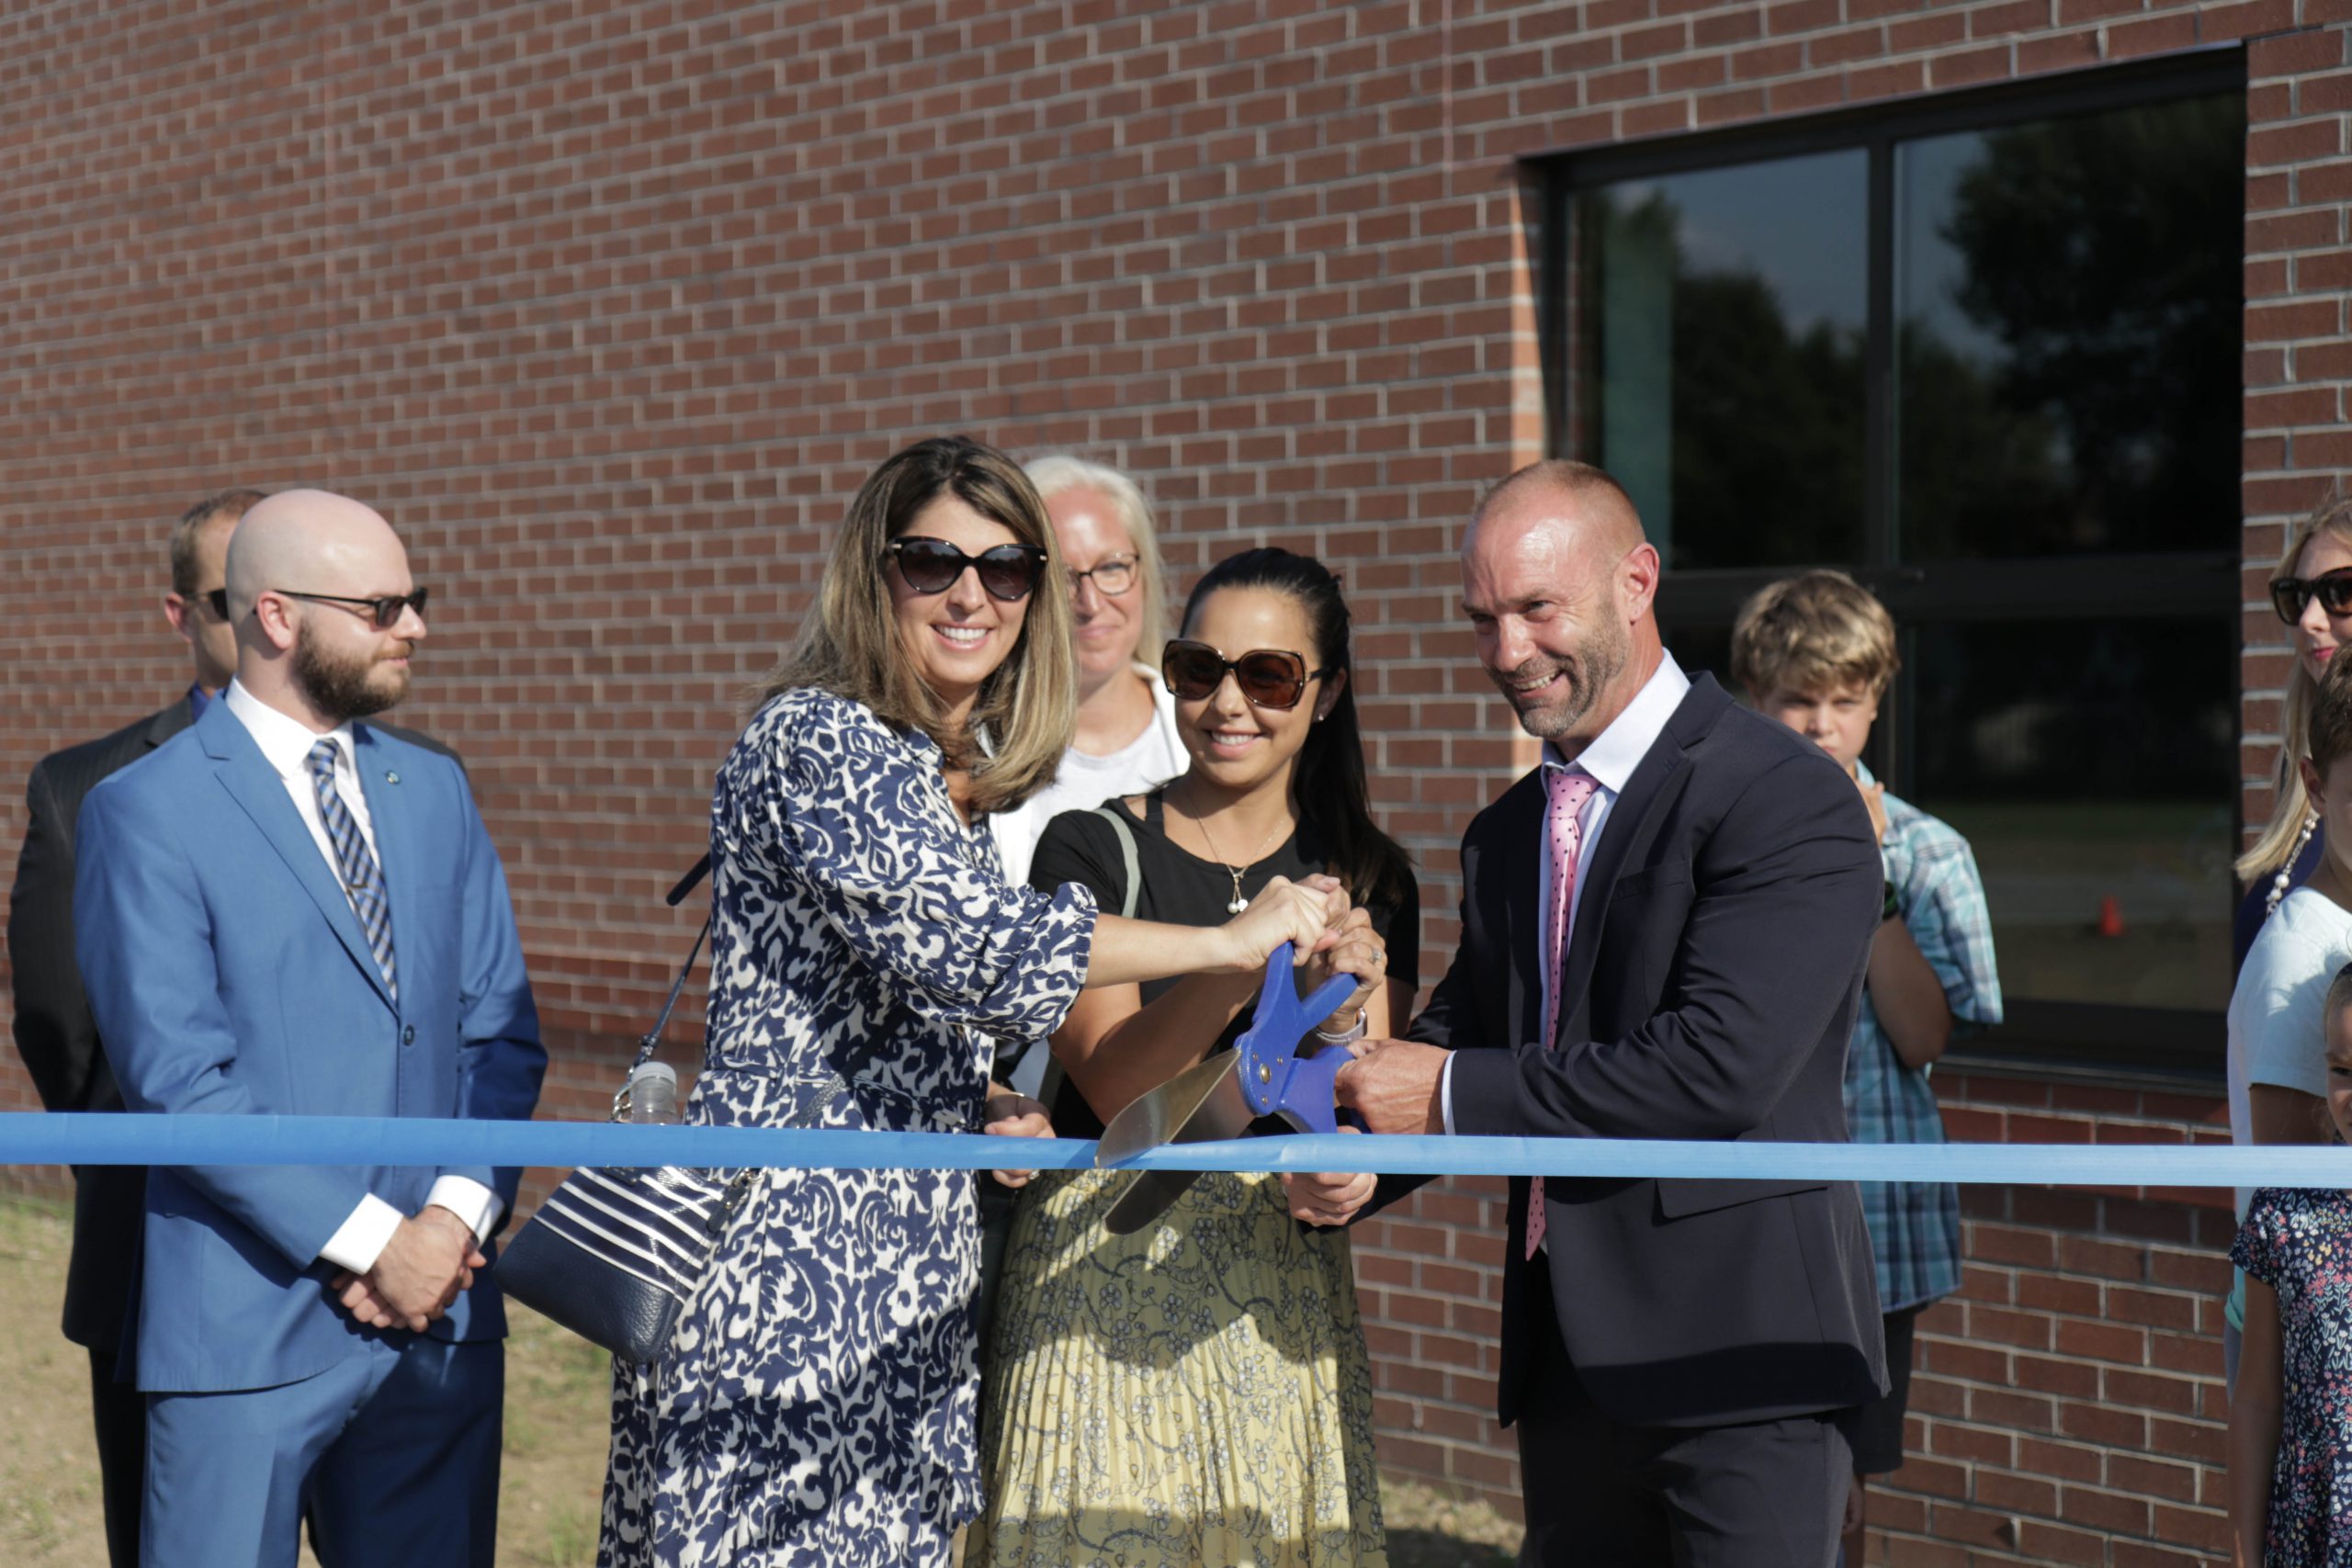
{"points": [[1182, 890]]}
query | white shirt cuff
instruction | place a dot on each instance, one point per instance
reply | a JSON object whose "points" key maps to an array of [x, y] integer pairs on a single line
{"points": [[467, 1199], [1445, 1093], [361, 1239]]}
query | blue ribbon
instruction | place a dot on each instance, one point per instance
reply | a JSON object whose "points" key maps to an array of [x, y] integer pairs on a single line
{"points": [[37, 1138]]}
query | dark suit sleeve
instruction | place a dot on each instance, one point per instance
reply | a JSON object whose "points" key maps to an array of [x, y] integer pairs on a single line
{"points": [[1785, 892], [500, 1062], [55, 1034]]}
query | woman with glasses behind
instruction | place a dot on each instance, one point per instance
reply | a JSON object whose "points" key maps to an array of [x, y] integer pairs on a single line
{"points": [[814, 1407], [1198, 1391], [1126, 741]]}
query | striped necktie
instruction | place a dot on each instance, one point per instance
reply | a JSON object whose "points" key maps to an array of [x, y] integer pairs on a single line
{"points": [[363, 884]]}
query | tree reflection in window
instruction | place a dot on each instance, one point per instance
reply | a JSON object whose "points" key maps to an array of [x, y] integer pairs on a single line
{"points": [[2067, 299], [1728, 357]]}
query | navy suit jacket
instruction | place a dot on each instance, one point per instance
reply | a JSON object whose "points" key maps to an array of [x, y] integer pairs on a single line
{"points": [[1710, 989], [229, 976]]}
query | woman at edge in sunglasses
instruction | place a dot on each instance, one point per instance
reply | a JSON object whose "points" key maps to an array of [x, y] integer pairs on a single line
{"points": [[2311, 592], [815, 1405], [1198, 1391]]}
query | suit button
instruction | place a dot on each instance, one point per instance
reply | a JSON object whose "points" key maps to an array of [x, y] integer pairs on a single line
{"points": [[408, 1036]]}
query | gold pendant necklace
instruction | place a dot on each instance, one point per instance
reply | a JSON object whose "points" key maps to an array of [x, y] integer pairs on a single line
{"points": [[1238, 903]]}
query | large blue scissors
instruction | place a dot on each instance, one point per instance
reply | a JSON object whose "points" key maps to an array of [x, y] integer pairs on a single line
{"points": [[1264, 1074]]}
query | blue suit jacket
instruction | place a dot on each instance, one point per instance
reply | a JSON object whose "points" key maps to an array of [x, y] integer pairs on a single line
{"points": [[229, 976]]}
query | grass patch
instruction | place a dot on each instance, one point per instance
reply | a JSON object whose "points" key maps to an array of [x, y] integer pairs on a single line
{"points": [[551, 1479]]}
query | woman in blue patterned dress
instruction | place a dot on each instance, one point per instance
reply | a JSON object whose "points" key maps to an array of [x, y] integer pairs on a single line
{"points": [[815, 1407]]}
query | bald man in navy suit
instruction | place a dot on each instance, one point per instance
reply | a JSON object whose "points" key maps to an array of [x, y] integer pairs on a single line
{"points": [[1663, 933]]}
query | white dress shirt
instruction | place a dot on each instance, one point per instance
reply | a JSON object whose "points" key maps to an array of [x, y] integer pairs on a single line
{"points": [[286, 743], [1609, 762]]}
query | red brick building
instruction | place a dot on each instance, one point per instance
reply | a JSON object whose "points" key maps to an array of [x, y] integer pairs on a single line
{"points": [[609, 307]]}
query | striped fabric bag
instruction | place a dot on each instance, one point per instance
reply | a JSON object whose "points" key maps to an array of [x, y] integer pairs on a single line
{"points": [[613, 1253]]}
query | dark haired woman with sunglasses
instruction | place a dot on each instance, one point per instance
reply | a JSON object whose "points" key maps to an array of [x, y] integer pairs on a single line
{"points": [[815, 1406], [1198, 1391]]}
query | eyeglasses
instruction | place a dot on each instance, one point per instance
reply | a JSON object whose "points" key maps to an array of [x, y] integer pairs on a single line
{"points": [[219, 599], [1112, 578], [385, 612], [2332, 588], [1009, 572], [1269, 676]]}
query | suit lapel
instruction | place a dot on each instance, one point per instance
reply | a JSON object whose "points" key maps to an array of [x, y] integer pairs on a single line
{"points": [[1522, 823], [1656, 781], [246, 775]]}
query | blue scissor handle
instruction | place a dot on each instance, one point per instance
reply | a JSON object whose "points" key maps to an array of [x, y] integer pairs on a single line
{"points": [[1309, 1099], [1275, 1079]]}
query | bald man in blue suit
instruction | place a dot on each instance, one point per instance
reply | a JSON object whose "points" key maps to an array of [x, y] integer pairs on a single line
{"points": [[284, 910]]}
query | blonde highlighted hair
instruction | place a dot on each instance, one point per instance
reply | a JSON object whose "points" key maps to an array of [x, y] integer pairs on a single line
{"points": [[2290, 803], [850, 644], [1060, 471], [1816, 632]]}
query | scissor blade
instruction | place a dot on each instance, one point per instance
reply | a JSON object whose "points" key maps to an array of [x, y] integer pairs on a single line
{"points": [[1202, 1103], [1158, 1117]]}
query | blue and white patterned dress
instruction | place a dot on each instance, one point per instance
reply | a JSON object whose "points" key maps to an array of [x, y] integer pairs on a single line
{"points": [[815, 1408]]}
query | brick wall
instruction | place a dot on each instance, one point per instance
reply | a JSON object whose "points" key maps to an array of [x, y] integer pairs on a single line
{"points": [[610, 305]]}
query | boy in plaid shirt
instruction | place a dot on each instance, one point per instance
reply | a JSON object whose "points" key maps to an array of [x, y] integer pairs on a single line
{"points": [[1816, 652]]}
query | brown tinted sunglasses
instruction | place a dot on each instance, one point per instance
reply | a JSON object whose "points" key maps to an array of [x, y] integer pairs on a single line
{"points": [[1269, 676]]}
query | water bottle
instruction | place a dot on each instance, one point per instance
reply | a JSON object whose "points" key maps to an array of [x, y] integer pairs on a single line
{"points": [[653, 1094]]}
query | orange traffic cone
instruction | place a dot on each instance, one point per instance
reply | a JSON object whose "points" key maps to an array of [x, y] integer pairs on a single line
{"points": [[2111, 916]]}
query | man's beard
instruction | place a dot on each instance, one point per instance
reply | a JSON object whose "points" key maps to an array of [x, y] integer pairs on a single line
{"points": [[344, 689], [1589, 671]]}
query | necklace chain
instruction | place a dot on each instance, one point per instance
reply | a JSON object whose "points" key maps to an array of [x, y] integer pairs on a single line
{"points": [[2280, 882], [1238, 903]]}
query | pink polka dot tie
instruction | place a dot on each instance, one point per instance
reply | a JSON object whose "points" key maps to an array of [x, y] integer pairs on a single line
{"points": [[1567, 794]]}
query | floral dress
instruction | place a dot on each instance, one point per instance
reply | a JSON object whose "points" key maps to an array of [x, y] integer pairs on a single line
{"points": [[1197, 1392], [815, 1407], [2299, 1244]]}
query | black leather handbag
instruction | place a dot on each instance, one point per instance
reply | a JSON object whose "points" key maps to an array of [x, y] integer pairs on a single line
{"points": [[614, 1254]]}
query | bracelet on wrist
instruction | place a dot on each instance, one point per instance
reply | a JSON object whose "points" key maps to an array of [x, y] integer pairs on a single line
{"points": [[1346, 1036]]}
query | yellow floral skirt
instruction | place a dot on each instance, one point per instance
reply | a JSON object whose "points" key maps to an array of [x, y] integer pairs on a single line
{"points": [[1194, 1393]]}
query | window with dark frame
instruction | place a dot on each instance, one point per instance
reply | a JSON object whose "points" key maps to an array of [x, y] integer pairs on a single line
{"points": [[1982, 351]]}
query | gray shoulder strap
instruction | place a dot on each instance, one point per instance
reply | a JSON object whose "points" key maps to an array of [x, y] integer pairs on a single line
{"points": [[1127, 853]]}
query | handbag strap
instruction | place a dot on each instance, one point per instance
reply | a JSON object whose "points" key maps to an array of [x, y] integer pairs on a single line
{"points": [[1049, 1087], [651, 1041], [1127, 853]]}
